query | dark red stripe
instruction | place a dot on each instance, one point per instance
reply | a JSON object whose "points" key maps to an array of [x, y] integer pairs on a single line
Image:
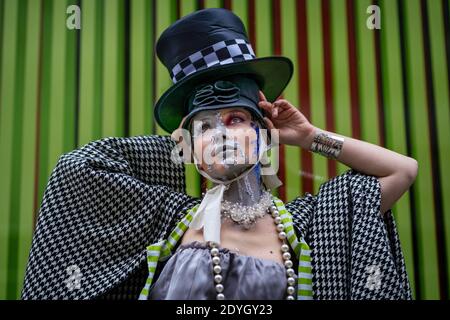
{"points": [[276, 41], [227, 4], [178, 9], [38, 117], [380, 92], [329, 119], [303, 88], [252, 24], [353, 71]]}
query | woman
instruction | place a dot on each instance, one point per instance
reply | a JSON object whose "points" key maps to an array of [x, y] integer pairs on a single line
{"points": [[255, 246], [112, 198]]}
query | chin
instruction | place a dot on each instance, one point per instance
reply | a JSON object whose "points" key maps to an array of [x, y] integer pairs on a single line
{"points": [[225, 172]]}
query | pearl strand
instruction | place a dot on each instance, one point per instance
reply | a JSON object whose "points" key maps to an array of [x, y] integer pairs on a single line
{"points": [[288, 264]]}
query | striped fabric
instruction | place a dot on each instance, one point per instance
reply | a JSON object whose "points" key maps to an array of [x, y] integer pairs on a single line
{"points": [[162, 250]]}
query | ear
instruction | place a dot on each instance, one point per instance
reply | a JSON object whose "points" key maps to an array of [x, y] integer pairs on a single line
{"points": [[182, 138]]}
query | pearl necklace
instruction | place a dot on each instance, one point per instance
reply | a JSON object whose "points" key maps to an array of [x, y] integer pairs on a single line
{"points": [[288, 264], [246, 215]]}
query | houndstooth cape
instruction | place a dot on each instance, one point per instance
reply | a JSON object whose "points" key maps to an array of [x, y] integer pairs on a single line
{"points": [[106, 201]]}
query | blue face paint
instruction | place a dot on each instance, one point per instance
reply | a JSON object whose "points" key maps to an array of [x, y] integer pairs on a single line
{"points": [[258, 166]]}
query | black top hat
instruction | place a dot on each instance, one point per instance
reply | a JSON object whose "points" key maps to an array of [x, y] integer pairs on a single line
{"points": [[209, 45]]}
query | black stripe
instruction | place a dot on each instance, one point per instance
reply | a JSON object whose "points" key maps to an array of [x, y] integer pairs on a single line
{"points": [[435, 165], [77, 79], [154, 57], [446, 13], [126, 44], [412, 202]]}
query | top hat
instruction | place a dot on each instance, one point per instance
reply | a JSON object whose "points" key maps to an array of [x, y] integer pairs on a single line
{"points": [[212, 65]]}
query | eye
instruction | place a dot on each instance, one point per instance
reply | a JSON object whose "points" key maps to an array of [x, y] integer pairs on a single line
{"points": [[205, 126], [236, 119]]}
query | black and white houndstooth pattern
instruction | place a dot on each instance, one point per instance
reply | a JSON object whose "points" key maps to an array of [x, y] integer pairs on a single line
{"points": [[223, 52], [356, 252], [105, 202]]}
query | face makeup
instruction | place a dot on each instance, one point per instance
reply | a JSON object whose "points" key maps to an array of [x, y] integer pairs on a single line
{"points": [[225, 142]]}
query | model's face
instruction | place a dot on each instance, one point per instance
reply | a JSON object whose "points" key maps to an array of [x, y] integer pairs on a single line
{"points": [[225, 142]]}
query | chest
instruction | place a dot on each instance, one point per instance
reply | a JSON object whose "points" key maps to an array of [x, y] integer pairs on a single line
{"points": [[260, 241]]}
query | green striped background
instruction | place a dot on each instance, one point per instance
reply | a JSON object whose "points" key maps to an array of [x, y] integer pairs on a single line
{"points": [[60, 89]]}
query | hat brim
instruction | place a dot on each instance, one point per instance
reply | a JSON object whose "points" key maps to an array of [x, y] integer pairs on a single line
{"points": [[271, 73]]}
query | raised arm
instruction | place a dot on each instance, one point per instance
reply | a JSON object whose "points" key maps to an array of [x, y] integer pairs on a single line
{"points": [[395, 172]]}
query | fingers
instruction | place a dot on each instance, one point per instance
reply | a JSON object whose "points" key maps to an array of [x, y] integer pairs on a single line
{"points": [[283, 104], [274, 108], [271, 108], [262, 97], [269, 123]]}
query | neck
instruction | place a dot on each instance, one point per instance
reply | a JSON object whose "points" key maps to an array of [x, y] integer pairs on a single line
{"points": [[246, 191]]}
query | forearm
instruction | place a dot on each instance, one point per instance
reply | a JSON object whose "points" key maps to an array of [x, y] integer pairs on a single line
{"points": [[394, 171], [368, 158]]}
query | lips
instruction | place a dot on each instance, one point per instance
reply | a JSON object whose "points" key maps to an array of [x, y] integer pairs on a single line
{"points": [[227, 147]]}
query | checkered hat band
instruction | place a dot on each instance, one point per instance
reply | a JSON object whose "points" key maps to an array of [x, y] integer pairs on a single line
{"points": [[222, 52]]}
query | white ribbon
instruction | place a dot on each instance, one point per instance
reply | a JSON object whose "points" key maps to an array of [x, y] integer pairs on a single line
{"points": [[208, 213]]}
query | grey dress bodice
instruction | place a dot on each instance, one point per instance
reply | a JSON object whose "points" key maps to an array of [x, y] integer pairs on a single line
{"points": [[188, 275]]}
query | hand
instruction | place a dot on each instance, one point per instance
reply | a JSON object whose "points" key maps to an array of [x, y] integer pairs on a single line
{"points": [[294, 128]]}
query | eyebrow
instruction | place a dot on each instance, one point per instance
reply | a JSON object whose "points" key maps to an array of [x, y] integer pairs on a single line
{"points": [[230, 110], [237, 109]]}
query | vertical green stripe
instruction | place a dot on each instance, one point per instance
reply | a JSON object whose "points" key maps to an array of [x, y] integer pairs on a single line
{"points": [[192, 175], [291, 93], [264, 28], [187, 6], [141, 106], [317, 83], [368, 99], [341, 81], [70, 96], [264, 47], [57, 108], [113, 82], [420, 149], [6, 132], [16, 154], [441, 95], [88, 68], [166, 14], [213, 3], [2, 18], [46, 93], [240, 7], [394, 117], [28, 144]]}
